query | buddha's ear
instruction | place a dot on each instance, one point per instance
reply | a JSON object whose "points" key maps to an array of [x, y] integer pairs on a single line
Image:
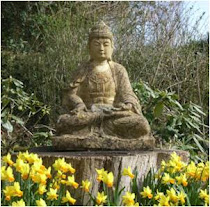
{"points": [[110, 58], [112, 42]]}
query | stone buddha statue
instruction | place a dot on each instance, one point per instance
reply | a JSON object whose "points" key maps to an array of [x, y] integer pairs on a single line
{"points": [[102, 111]]}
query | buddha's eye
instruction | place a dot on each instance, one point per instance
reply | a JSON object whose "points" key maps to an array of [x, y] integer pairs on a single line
{"points": [[96, 43], [106, 43]]}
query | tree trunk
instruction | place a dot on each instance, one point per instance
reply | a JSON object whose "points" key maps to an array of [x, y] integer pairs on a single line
{"points": [[85, 163]]}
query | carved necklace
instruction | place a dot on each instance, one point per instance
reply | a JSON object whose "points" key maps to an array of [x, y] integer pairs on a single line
{"points": [[99, 79]]}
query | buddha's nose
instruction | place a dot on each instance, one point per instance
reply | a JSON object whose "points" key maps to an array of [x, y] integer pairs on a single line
{"points": [[101, 47]]}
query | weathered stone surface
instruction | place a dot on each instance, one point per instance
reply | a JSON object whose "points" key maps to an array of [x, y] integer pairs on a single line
{"points": [[100, 100], [85, 163], [70, 142]]}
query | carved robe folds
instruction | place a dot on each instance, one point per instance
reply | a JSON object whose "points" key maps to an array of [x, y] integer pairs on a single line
{"points": [[103, 93]]}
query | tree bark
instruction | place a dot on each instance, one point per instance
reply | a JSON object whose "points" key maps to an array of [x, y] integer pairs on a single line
{"points": [[85, 163]]}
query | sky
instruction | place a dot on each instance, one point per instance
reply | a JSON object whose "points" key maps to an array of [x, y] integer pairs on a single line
{"points": [[199, 7]]}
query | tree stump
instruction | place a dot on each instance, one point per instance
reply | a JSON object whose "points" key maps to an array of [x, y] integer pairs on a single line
{"points": [[85, 163]]}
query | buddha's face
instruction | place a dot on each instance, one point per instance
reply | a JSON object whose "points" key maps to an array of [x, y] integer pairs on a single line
{"points": [[101, 49]]}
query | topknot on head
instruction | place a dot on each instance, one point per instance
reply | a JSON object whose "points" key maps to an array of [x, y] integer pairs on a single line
{"points": [[100, 30]]}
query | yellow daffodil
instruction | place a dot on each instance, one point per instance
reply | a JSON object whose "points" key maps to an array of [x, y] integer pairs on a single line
{"points": [[86, 185], [61, 165], [7, 174], [191, 170], [19, 203], [101, 198], [172, 195], [71, 182], [7, 159], [19, 165], [39, 178], [175, 157], [164, 200], [128, 172], [181, 197], [3, 173], [17, 191], [199, 170], [23, 168], [25, 171], [174, 167], [48, 172], [204, 195], [13, 191], [8, 192], [108, 179], [38, 166], [41, 189], [52, 195], [163, 165], [56, 185], [32, 158], [100, 174], [41, 202], [28, 157], [167, 179], [182, 179], [64, 182], [60, 175], [128, 199], [70, 168], [147, 192], [205, 173], [175, 164], [158, 195], [22, 156], [68, 198], [10, 175]]}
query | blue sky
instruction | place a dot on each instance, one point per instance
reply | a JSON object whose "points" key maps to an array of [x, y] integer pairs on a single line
{"points": [[199, 7]]}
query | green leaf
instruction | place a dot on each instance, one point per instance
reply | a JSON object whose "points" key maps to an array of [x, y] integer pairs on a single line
{"points": [[17, 83], [195, 114], [41, 134], [8, 126], [198, 144], [158, 109], [198, 109], [4, 113], [17, 119], [179, 105]]}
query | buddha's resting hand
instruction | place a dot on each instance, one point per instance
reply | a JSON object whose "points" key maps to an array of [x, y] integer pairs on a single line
{"points": [[79, 108], [126, 107]]}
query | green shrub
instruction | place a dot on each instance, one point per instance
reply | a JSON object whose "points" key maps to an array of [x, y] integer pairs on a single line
{"points": [[20, 113], [173, 122]]}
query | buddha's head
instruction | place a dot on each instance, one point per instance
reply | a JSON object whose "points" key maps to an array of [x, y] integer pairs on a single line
{"points": [[100, 42]]}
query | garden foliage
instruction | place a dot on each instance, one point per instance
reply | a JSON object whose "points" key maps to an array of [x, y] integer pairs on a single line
{"points": [[178, 124], [20, 114]]}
